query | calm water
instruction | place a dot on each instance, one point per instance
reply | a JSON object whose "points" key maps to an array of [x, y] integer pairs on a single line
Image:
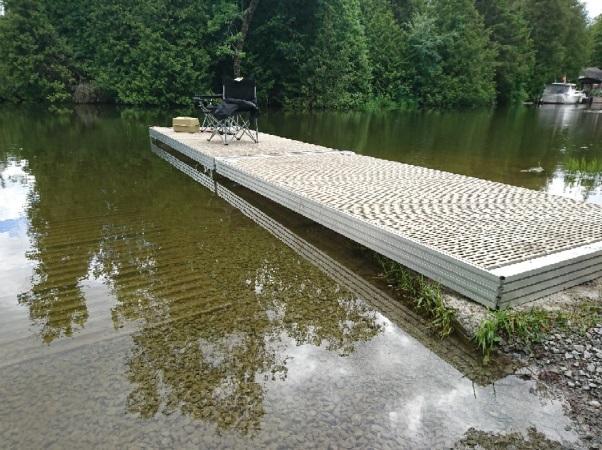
{"points": [[138, 310], [498, 145]]}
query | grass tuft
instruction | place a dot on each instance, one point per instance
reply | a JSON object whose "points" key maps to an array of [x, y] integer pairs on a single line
{"points": [[574, 165], [532, 326], [526, 326], [426, 294]]}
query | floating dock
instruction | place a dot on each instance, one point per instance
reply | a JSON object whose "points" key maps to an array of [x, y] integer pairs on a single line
{"points": [[497, 244]]}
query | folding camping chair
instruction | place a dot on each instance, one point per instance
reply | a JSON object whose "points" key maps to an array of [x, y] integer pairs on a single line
{"points": [[239, 98], [208, 105]]}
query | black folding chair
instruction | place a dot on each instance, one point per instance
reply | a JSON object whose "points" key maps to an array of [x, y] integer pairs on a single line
{"points": [[237, 114]]}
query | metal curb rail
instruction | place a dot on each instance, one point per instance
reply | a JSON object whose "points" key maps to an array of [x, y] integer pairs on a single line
{"points": [[181, 147]]}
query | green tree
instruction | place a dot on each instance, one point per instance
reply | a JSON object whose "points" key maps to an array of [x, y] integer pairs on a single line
{"points": [[35, 62], [71, 19], [286, 28], [336, 73], [422, 59], [228, 26], [595, 31], [384, 39], [467, 58], [558, 31], [247, 15], [404, 10], [311, 53], [509, 34], [149, 52], [578, 45]]}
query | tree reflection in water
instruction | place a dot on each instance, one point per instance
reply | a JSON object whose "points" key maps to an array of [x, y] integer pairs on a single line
{"points": [[85, 194], [214, 299], [221, 338]]}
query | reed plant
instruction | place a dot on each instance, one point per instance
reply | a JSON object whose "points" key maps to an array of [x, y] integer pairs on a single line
{"points": [[593, 167]]}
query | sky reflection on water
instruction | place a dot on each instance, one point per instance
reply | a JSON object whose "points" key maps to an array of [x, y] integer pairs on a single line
{"points": [[16, 186]]}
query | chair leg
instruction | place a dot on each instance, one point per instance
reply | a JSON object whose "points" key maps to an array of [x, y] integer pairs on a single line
{"points": [[217, 130], [224, 129], [208, 123], [245, 128], [234, 127]]}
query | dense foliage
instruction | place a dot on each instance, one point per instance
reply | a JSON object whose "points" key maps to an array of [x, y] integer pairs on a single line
{"points": [[335, 54], [596, 38]]}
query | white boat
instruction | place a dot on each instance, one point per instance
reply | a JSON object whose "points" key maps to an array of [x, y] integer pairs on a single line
{"points": [[562, 93]]}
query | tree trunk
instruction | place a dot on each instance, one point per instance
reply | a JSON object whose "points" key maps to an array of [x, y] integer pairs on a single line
{"points": [[246, 21]]}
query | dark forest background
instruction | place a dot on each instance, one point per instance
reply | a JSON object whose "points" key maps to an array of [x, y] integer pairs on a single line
{"points": [[319, 54]]}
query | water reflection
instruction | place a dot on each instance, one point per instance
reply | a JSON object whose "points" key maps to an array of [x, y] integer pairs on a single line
{"points": [[65, 210], [578, 186], [191, 327], [89, 184], [16, 189], [575, 132], [210, 295], [497, 145], [212, 327], [208, 350]]}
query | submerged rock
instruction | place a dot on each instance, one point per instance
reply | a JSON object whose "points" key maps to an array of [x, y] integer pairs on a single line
{"points": [[534, 170]]}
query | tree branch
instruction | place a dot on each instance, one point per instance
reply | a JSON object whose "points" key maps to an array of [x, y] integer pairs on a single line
{"points": [[246, 22]]}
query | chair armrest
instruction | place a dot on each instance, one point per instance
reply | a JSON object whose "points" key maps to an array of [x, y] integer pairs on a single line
{"points": [[206, 96]]}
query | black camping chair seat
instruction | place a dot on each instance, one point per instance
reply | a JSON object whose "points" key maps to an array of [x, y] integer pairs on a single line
{"points": [[237, 114]]}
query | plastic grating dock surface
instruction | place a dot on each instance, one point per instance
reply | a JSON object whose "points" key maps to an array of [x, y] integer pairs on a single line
{"points": [[196, 146], [494, 243]]}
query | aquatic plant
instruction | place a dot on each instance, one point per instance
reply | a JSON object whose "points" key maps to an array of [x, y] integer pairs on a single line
{"points": [[574, 165], [425, 293]]}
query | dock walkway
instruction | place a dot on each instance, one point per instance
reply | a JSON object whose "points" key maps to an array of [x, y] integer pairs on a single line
{"points": [[496, 244]]}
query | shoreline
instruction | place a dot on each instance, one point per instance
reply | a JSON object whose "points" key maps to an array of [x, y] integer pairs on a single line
{"points": [[566, 364], [470, 315]]}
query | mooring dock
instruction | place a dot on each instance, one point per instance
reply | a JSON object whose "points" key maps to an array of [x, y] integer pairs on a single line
{"points": [[496, 244]]}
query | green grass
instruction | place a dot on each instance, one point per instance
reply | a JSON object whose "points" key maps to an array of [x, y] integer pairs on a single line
{"points": [[528, 327], [574, 165], [532, 326], [425, 293]]}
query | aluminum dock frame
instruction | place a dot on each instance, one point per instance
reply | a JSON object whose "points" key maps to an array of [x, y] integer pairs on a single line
{"points": [[497, 244]]}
